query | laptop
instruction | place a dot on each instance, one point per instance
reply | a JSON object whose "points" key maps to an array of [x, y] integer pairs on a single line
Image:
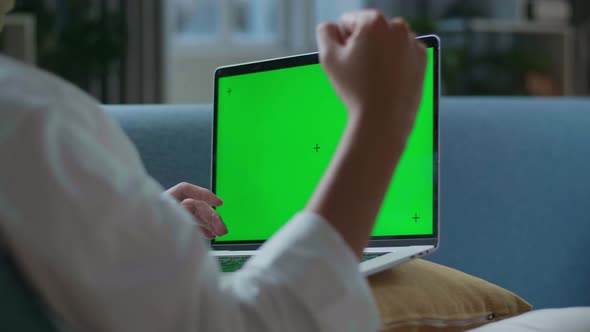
{"points": [[276, 126]]}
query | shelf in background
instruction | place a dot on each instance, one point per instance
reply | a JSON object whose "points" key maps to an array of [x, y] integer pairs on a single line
{"points": [[507, 26]]}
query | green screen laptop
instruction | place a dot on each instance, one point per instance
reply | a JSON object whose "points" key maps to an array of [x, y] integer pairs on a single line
{"points": [[277, 124]]}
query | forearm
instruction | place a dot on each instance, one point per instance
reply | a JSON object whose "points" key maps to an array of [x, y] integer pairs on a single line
{"points": [[307, 265], [351, 192]]}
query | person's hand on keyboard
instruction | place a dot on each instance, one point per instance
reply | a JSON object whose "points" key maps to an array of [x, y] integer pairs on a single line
{"points": [[199, 202]]}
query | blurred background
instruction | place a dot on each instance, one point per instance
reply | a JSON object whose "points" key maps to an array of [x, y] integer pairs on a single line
{"points": [[166, 51]]}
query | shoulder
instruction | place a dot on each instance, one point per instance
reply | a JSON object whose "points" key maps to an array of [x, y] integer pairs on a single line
{"points": [[38, 107], [28, 92]]}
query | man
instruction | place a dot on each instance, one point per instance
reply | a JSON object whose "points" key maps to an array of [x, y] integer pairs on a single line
{"points": [[107, 251]]}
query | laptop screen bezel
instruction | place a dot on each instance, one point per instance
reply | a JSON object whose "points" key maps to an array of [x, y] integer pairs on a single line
{"points": [[431, 41]]}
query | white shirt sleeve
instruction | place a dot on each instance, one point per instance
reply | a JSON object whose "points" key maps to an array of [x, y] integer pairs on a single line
{"points": [[108, 252]]}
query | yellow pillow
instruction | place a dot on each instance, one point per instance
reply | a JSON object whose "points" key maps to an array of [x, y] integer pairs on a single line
{"points": [[423, 296]]}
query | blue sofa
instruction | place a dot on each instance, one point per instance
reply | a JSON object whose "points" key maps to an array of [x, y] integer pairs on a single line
{"points": [[515, 185], [515, 191]]}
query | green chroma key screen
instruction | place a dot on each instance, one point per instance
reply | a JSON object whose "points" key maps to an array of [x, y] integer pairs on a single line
{"points": [[276, 132]]}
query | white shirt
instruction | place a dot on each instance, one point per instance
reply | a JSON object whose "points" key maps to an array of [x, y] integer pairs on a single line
{"points": [[107, 251]]}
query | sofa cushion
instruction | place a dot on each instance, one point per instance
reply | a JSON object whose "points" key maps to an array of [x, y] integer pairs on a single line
{"points": [[420, 296]]}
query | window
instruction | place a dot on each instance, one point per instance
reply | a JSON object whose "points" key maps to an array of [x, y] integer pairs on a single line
{"points": [[227, 23], [205, 34], [251, 26]]}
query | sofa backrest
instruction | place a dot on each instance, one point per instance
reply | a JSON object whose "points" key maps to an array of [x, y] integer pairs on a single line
{"points": [[174, 141], [515, 195], [514, 185]]}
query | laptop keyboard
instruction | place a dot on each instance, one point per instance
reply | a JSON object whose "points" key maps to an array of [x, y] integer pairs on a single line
{"points": [[232, 263]]}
